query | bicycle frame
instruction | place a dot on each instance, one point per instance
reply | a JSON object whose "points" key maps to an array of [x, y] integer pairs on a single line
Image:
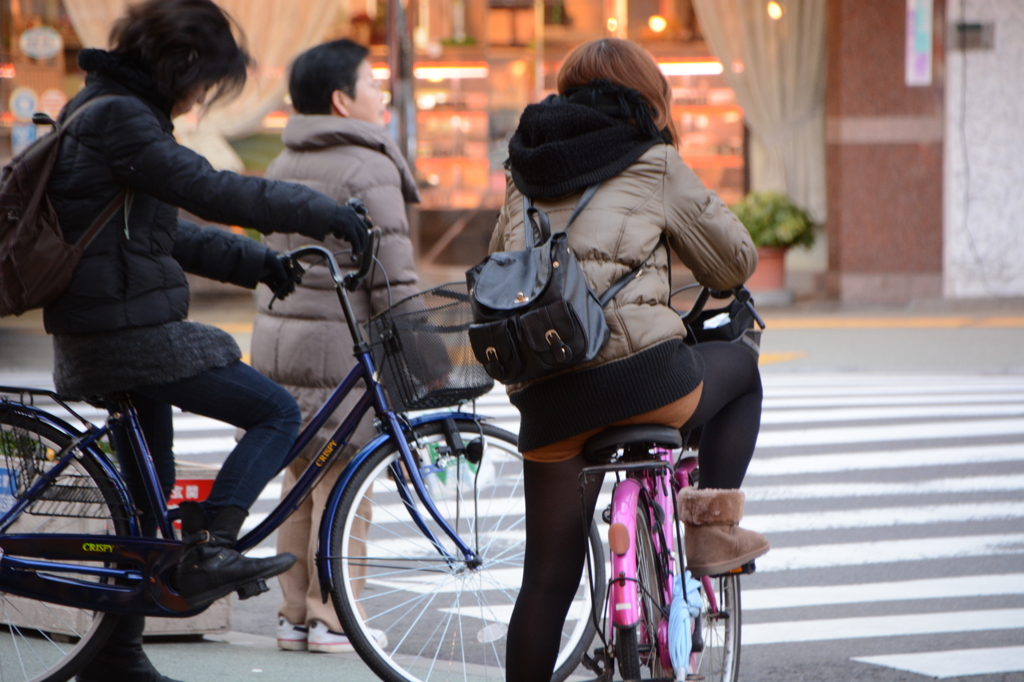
{"points": [[138, 567], [654, 483]]}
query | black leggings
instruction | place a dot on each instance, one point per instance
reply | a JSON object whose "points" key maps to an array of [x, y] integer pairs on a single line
{"points": [[730, 413]]}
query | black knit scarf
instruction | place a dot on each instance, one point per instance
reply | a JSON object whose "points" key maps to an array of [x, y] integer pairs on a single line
{"points": [[588, 135], [126, 72]]}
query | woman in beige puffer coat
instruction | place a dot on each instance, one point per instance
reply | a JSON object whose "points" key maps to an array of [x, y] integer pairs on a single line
{"points": [[338, 145], [611, 124]]}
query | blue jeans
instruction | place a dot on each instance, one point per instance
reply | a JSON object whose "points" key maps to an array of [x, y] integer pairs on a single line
{"points": [[236, 394]]}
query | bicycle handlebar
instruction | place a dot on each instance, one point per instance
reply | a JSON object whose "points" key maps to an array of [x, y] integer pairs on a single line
{"points": [[740, 293], [349, 280]]}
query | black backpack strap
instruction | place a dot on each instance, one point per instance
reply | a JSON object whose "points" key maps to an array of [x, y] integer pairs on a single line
{"points": [[621, 282], [582, 203], [535, 219]]}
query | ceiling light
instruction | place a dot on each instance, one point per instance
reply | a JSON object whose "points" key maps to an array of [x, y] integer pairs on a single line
{"points": [[691, 68]]}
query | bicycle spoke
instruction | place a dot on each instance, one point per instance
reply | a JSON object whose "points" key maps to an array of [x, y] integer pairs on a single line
{"points": [[436, 613]]}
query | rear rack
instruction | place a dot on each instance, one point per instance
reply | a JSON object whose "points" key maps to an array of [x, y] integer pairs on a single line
{"points": [[32, 393]]}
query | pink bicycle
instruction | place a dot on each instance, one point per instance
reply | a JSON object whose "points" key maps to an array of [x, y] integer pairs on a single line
{"points": [[644, 537]]}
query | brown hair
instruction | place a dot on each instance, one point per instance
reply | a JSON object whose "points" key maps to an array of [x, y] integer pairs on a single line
{"points": [[622, 63]]}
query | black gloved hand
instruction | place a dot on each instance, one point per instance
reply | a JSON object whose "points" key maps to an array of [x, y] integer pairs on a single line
{"points": [[280, 274], [349, 225]]}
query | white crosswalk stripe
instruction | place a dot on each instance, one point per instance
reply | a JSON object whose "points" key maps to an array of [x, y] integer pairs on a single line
{"points": [[894, 503], [922, 473]]}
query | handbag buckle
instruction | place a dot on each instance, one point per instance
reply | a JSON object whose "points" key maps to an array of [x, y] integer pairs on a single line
{"points": [[562, 352], [491, 353]]}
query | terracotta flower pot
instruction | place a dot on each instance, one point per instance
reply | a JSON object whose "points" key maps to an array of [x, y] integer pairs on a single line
{"points": [[771, 269]]}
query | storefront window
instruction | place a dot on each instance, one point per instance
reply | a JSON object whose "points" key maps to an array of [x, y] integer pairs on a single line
{"points": [[464, 120], [477, 64], [38, 67]]}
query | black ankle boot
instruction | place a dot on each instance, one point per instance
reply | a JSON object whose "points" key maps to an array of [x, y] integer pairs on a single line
{"points": [[210, 568], [122, 659]]}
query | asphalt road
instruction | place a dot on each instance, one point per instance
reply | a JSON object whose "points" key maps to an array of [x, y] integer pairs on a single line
{"points": [[889, 478]]}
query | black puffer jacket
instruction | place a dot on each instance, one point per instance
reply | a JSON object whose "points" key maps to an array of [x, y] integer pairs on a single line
{"points": [[133, 274]]}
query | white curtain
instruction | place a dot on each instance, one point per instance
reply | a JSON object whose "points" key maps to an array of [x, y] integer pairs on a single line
{"points": [[777, 68], [275, 30]]}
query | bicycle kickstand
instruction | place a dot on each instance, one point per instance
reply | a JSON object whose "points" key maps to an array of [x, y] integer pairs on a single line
{"points": [[600, 664]]}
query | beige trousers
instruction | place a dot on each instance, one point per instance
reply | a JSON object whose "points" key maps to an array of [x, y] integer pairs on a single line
{"points": [[300, 584]]}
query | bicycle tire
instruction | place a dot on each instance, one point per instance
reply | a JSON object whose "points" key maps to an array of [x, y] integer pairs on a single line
{"points": [[720, 659], [636, 646], [420, 643], [37, 639]]}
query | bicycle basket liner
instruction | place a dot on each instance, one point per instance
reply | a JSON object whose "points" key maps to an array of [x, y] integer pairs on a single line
{"points": [[26, 458], [733, 323], [421, 349]]}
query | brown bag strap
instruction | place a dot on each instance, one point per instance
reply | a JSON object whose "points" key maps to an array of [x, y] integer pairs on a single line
{"points": [[108, 212], [62, 126], [102, 219]]}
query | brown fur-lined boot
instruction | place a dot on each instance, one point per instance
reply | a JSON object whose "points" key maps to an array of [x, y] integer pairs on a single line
{"points": [[714, 543]]}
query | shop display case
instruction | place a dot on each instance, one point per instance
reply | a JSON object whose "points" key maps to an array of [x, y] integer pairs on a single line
{"points": [[470, 92], [476, 64]]}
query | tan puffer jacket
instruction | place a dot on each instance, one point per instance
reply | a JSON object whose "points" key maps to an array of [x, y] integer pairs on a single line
{"points": [[622, 227], [304, 343], [658, 195]]}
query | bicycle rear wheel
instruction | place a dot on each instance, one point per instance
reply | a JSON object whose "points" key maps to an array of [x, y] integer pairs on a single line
{"points": [[636, 647], [720, 631], [412, 616], [39, 641]]}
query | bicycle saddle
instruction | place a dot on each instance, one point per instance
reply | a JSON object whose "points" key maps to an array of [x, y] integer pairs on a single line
{"points": [[603, 446]]}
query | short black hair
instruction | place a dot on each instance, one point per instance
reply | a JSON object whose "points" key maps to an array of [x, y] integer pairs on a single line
{"points": [[185, 43], [319, 71]]}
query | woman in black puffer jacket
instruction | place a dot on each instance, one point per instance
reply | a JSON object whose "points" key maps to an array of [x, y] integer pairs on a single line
{"points": [[120, 327]]}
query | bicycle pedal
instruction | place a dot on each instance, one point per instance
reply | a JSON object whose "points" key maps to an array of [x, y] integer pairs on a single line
{"points": [[746, 569], [253, 589]]}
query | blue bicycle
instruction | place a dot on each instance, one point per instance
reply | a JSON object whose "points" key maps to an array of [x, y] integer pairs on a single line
{"points": [[421, 544]]}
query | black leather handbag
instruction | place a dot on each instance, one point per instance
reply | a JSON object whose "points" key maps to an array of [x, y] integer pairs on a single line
{"points": [[533, 311]]}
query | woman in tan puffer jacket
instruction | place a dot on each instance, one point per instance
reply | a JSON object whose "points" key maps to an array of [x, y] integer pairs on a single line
{"points": [[337, 144], [611, 124]]}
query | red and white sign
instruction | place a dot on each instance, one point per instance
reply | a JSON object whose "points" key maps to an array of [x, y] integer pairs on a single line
{"points": [[52, 101], [189, 490]]}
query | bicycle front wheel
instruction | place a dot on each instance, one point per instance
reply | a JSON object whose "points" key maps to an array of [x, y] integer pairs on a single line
{"points": [[636, 647], [415, 616], [720, 632], [39, 641]]}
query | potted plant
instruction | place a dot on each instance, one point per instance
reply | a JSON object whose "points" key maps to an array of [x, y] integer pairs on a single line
{"points": [[775, 224]]}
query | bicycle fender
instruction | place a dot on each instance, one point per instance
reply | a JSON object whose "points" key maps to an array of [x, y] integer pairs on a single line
{"points": [[624, 601], [324, 572]]}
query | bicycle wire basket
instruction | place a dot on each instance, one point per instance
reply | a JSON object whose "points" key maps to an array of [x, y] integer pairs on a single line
{"points": [[420, 347], [27, 458]]}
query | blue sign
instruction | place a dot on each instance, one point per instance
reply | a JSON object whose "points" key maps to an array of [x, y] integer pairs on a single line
{"points": [[23, 103], [22, 135], [8, 489]]}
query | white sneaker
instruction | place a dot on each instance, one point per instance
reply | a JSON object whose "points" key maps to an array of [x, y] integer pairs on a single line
{"points": [[326, 641], [291, 637]]}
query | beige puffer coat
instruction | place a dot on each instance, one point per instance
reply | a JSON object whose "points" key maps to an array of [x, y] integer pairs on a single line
{"points": [[622, 227], [304, 343], [658, 195]]}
